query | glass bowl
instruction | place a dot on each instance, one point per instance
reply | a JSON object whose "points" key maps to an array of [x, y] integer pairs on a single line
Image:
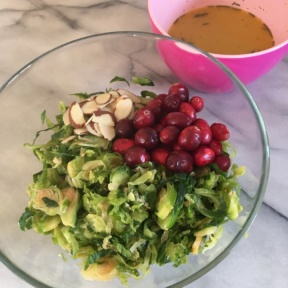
{"points": [[87, 65]]}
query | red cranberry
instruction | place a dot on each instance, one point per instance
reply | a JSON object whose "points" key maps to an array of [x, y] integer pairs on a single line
{"points": [[161, 97], [136, 155], [206, 132], [190, 138], [188, 110], [203, 156], [179, 162], [124, 128], [146, 137], [181, 90], [121, 145], [171, 103], [159, 155], [216, 146], [155, 106], [169, 135], [143, 117], [197, 102], [220, 132], [223, 161], [201, 123], [178, 119]]}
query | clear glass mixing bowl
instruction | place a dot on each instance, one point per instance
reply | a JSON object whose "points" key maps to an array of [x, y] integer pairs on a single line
{"points": [[87, 65]]}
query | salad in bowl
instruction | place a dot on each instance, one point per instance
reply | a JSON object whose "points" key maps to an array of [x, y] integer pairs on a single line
{"points": [[128, 181]]}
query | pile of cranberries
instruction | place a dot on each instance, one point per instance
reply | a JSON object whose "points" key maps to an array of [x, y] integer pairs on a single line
{"points": [[168, 132]]}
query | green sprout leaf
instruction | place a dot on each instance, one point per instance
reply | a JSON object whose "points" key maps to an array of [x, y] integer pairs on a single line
{"points": [[93, 258], [83, 96], [49, 202], [25, 221], [118, 78], [43, 130], [43, 116], [150, 94], [142, 81]]}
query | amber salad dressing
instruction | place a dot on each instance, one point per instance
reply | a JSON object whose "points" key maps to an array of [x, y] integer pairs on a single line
{"points": [[223, 30]]}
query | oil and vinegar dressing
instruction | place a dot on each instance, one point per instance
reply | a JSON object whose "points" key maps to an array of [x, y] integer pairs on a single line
{"points": [[223, 30]]}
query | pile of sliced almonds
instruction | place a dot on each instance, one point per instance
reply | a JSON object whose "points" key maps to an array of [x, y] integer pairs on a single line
{"points": [[99, 114]]}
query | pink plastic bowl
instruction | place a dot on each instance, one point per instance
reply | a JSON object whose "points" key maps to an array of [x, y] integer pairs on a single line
{"points": [[248, 67]]}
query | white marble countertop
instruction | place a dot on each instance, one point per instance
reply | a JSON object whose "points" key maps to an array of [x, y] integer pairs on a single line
{"points": [[31, 27]]}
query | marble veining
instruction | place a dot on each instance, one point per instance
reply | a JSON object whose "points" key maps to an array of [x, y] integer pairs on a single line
{"points": [[29, 28]]}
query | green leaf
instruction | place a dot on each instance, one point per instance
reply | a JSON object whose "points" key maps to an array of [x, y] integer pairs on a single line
{"points": [[81, 95], [49, 202], [142, 81], [63, 133], [150, 94], [217, 208], [43, 130], [50, 123], [62, 108], [25, 221], [43, 116], [95, 93], [93, 258], [215, 167], [118, 78]]}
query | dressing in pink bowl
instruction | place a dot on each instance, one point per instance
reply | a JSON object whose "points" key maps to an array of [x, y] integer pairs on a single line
{"points": [[247, 67]]}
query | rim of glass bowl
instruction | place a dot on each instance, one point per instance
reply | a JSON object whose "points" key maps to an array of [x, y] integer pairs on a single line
{"points": [[264, 139]]}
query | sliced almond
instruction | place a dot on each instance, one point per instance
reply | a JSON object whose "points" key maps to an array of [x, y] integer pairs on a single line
{"points": [[66, 119], [109, 108], [114, 94], [107, 131], [104, 105], [76, 116], [122, 97], [89, 107], [84, 101], [130, 117], [68, 139], [103, 98], [138, 106], [96, 127], [91, 128], [80, 131], [132, 96], [123, 109], [104, 117]]}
